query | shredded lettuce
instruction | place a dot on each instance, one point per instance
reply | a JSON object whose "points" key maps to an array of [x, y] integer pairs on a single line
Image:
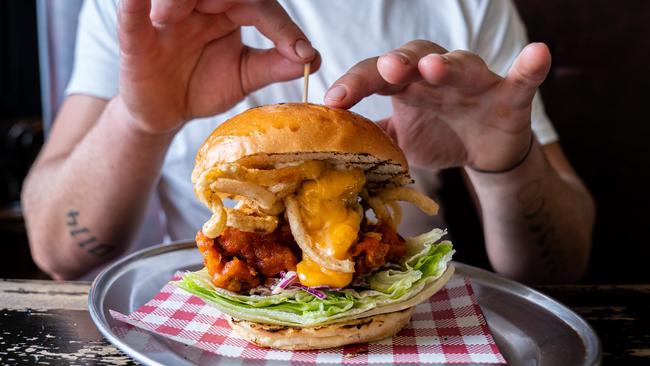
{"points": [[389, 290]]}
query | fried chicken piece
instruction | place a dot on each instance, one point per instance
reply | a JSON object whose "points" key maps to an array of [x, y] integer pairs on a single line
{"points": [[284, 236], [233, 275], [239, 260], [212, 258], [236, 276], [269, 254], [396, 245], [370, 252]]}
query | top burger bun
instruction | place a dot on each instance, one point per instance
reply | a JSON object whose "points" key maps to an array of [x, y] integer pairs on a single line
{"points": [[283, 133]]}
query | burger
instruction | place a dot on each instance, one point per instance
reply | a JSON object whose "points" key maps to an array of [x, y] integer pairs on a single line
{"points": [[301, 251]]}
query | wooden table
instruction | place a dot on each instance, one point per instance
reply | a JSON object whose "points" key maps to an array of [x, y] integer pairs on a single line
{"points": [[47, 323]]}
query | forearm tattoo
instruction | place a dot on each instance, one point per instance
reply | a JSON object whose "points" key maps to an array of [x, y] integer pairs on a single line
{"points": [[539, 223], [84, 238]]}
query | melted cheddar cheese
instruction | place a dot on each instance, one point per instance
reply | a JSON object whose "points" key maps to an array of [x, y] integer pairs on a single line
{"points": [[312, 274], [328, 210]]}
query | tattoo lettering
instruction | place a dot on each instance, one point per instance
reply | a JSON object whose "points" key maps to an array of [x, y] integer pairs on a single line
{"points": [[101, 250], [87, 241], [72, 216], [539, 223], [83, 230], [84, 238]]}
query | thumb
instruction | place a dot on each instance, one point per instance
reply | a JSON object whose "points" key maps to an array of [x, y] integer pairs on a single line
{"points": [[260, 68], [526, 74], [388, 127]]}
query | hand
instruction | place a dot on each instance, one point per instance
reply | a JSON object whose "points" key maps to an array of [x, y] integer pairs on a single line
{"points": [[449, 109], [185, 59]]}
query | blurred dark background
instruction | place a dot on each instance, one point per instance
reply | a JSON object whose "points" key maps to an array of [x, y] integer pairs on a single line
{"points": [[20, 129], [596, 95]]}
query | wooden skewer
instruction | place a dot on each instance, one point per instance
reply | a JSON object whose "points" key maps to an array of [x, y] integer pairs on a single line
{"points": [[305, 86]]}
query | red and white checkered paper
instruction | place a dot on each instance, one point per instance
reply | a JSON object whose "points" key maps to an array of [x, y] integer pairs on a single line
{"points": [[449, 328]]}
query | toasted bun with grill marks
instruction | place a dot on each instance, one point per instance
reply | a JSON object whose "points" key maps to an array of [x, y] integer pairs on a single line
{"points": [[361, 330], [272, 135]]}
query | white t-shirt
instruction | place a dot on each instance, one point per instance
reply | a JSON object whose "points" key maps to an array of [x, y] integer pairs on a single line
{"points": [[345, 32]]}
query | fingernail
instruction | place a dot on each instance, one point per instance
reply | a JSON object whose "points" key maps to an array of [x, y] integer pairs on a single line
{"points": [[336, 94], [444, 58], [303, 49], [401, 57]]}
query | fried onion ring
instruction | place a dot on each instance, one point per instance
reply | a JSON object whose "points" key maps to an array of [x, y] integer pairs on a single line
{"points": [[262, 197], [284, 189], [307, 245], [246, 220], [396, 216], [424, 203], [275, 210], [378, 207], [217, 223], [267, 177]]}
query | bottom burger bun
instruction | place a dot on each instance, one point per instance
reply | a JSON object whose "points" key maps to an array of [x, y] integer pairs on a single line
{"points": [[361, 330]]}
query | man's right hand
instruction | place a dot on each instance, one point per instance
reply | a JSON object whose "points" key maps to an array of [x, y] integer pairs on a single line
{"points": [[185, 59], [179, 60]]}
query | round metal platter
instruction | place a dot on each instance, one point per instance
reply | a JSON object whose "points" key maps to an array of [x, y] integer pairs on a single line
{"points": [[530, 328]]}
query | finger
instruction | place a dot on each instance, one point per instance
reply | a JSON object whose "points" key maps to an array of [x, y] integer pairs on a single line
{"points": [[388, 74], [135, 30], [362, 80], [170, 11], [263, 67], [270, 18], [526, 74], [400, 65], [458, 69]]}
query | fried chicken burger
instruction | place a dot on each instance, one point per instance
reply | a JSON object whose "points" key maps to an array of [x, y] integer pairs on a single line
{"points": [[309, 257]]}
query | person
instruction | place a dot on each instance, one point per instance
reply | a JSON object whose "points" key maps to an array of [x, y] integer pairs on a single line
{"points": [[152, 79]]}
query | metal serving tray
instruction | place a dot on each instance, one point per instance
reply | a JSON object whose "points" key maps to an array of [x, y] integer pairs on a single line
{"points": [[530, 328]]}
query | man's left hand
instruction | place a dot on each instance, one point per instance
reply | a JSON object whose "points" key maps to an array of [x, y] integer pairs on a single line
{"points": [[449, 109]]}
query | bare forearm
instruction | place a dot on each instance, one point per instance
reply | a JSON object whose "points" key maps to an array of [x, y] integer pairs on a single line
{"points": [[82, 209], [537, 223]]}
